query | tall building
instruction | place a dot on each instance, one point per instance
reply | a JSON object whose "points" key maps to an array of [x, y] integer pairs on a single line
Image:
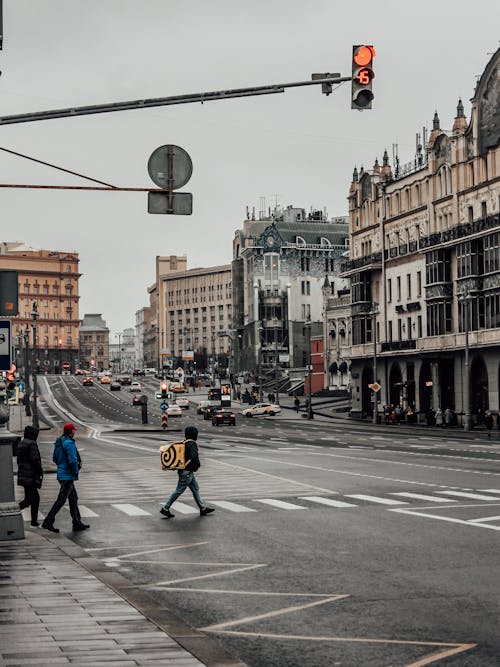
{"points": [[279, 267], [49, 279], [425, 267], [94, 343], [142, 324]]}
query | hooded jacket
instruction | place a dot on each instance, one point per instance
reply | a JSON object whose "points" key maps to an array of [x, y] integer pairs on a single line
{"points": [[29, 462], [66, 457]]}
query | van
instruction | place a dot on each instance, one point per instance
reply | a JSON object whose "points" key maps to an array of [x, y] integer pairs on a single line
{"points": [[150, 371]]}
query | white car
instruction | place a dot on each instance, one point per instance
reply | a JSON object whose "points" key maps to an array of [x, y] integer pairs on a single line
{"points": [[182, 402], [270, 409], [136, 386], [174, 410]]}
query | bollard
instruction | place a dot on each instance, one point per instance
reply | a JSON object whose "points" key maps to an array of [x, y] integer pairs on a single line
{"points": [[11, 519]]}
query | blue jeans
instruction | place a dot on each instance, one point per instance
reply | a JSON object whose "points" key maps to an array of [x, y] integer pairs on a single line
{"points": [[186, 479]]}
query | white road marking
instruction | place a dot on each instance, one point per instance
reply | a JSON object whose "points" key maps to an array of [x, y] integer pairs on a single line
{"points": [[327, 501], [375, 499], [486, 518], [279, 503], [232, 507], [422, 496], [474, 496], [489, 490], [413, 512], [86, 511], [131, 510], [183, 508]]}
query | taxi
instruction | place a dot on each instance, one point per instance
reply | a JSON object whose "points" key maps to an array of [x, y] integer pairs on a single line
{"points": [[258, 409], [105, 379]]}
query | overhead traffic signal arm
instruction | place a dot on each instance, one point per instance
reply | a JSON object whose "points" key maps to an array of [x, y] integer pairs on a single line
{"points": [[362, 76]]}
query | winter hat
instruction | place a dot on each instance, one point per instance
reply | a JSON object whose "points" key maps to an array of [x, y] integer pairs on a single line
{"points": [[69, 427], [31, 433], [190, 432]]}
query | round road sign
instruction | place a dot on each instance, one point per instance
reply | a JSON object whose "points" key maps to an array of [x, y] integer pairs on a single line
{"points": [[170, 167]]}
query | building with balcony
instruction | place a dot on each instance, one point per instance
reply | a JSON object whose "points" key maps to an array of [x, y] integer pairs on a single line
{"points": [[279, 267], [425, 248], [50, 279]]}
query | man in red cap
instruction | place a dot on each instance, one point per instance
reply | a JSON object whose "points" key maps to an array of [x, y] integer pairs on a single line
{"points": [[68, 465]]}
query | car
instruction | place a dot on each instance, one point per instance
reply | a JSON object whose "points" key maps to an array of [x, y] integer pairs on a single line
{"points": [[136, 400], [138, 373], [79, 372], [270, 409], [136, 386], [202, 405], [88, 381], [125, 380], [115, 386], [174, 410], [178, 388], [105, 379], [209, 411], [183, 402], [222, 416]]}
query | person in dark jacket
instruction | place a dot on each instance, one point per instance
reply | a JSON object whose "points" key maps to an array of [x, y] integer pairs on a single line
{"points": [[30, 472], [68, 466], [186, 476]]}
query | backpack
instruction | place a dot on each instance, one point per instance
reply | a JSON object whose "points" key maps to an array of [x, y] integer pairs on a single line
{"points": [[173, 457]]}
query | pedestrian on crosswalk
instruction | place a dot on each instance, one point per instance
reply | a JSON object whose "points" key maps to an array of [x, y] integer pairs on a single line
{"points": [[186, 476], [68, 466]]}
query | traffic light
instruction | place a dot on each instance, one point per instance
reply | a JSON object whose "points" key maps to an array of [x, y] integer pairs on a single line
{"points": [[12, 394], [362, 76], [164, 389]]}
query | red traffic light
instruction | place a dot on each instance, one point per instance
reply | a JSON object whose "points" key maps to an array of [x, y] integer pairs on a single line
{"points": [[164, 386], [364, 76], [363, 55]]}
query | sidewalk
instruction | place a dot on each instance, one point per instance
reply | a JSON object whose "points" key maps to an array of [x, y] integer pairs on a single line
{"points": [[61, 607]]}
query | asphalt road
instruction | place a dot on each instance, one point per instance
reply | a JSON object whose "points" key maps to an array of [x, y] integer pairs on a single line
{"points": [[331, 544]]}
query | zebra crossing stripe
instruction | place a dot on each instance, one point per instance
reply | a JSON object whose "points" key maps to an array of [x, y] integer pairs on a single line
{"points": [[421, 496], [463, 494], [489, 490], [279, 503], [86, 511], [376, 499], [130, 510], [327, 501], [232, 507], [183, 508]]}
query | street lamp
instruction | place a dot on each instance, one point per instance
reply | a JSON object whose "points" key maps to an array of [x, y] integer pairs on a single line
{"points": [[310, 413], [119, 336], [276, 384], [374, 313], [34, 316], [465, 298]]}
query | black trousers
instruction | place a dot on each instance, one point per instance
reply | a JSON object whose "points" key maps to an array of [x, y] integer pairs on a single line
{"points": [[31, 499], [66, 492]]}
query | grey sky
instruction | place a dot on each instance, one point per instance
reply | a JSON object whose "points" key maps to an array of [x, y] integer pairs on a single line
{"points": [[300, 145]]}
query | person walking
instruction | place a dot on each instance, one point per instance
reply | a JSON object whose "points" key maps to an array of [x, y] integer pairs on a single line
{"points": [[297, 403], [439, 417], [30, 472], [488, 422], [187, 478], [68, 466]]}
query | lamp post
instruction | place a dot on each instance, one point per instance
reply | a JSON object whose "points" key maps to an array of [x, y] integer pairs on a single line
{"points": [[59, 354], [276, 361], [213, 358], [119, 336], [310, 413], [373, 314], [465, 299], [34, 316]]}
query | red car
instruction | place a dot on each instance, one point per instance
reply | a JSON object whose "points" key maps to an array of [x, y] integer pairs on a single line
{"points": [[88, 382]]}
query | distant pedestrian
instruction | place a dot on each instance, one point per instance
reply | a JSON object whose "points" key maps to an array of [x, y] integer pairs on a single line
{"points": [[68, 466], [187, 478], [297, 403], [439, 417], [30, 472], [488, 422]]}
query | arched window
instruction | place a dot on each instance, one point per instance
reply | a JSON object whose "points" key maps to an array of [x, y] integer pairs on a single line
{"points": [[325, 243], [300, 241]]}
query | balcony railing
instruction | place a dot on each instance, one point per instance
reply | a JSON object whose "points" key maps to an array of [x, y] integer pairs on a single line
{"points": [[460, 231], [410, 344], [360, 262]]}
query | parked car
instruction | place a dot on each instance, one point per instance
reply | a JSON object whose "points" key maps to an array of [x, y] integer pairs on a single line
{"points": [[222, 416], [136, 387], [105, 379], [88, 382], [174, 410], [262, 409], [182, 402], [115, 386]]}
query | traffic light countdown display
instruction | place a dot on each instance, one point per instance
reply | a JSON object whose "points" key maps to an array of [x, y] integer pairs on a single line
{"points": [[362, 76]]}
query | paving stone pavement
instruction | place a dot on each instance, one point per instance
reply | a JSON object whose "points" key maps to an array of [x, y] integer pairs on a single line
{"points": [[55, 611]]}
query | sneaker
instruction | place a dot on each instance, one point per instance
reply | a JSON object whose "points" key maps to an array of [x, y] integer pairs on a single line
{"points": [[80, 526], [167, 513], [207, 510], [50, 526]]}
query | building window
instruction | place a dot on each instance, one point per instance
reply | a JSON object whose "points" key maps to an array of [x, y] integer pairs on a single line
{"points": [[419, 283], [361, 287], [419, 326], [408, 328], [390, 331], [437, 266], [271, 268], [483, 210], [491, 253], [400, 331], [470, 260], [389, 290], [438, 318], [408, 286], [361, 330], [398, 289]]}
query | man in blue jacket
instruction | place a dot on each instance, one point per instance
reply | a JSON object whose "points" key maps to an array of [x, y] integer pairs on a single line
{"points": [[187, 478], [68, 465]]}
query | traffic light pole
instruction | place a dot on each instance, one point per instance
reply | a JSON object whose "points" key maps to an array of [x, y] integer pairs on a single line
{"points": [[271, 89]]}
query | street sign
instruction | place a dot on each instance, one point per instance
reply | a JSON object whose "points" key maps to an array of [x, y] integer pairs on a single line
{"points": [[170, 167], [375, 386], [180, 203], [163, 406], [5, 345]]}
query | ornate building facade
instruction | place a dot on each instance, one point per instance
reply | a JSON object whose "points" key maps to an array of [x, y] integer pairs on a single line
{"points": [[94, 343], [425, 267]]}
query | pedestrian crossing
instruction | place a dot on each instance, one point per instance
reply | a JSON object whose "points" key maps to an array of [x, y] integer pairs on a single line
{"points": [[291, 503]]}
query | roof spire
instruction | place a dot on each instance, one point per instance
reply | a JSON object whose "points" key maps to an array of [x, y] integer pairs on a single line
{"points": [[435, 121]]}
